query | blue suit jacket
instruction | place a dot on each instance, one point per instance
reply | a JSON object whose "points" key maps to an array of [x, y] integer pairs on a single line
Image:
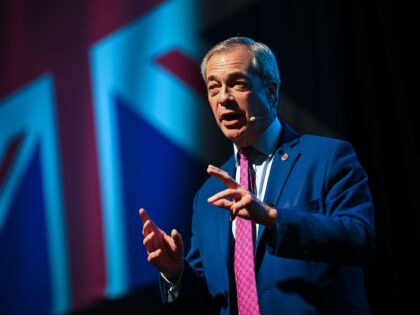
{"points": [[312, 263]]}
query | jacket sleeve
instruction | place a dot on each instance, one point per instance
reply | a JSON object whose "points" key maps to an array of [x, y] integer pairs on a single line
{"points": [[193, 295]]}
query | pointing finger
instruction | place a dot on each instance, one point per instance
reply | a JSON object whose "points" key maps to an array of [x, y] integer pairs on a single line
{"points": [[223, 176], [143, 215]]}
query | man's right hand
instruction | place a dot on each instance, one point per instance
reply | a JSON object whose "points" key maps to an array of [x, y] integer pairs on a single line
{"points": [[165, 252]]}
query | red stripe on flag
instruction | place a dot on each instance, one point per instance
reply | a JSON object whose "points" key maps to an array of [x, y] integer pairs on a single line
{"points": [[184, 68], [9, 157]]}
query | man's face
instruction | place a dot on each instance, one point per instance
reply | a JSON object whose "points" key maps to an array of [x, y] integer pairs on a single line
{"points": [[236, 93]]}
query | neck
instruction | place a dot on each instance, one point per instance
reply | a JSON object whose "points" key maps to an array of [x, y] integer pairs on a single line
{"points": [[259, 126]]}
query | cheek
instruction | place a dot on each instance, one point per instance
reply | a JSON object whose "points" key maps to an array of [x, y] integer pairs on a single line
{"points": [[258, 103], [248, 103], [213, 106]]}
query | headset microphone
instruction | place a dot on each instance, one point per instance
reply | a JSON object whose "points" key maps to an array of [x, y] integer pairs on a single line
{"points": [[254, 118]]}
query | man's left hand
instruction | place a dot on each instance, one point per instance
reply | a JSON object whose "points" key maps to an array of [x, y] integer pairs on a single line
{"points": [[239, 201]]}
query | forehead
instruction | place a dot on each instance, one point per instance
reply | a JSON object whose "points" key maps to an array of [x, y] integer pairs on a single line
{"points": [[236, 59]]}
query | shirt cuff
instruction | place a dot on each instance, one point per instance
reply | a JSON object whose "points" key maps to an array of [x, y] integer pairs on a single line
{"points": [[172, 288]]}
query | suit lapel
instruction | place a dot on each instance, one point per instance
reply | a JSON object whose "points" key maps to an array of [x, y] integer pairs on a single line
{"points": [[284, 159], [225, 227]]}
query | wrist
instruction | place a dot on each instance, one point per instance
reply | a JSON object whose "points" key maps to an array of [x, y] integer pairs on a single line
{"points": [[174, 274]]}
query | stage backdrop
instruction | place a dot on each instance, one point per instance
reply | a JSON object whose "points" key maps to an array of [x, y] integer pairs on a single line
{"points": [[102, 111]]}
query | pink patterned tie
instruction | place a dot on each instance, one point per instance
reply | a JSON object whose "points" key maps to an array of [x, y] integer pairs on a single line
{"points": [[244, 265]]}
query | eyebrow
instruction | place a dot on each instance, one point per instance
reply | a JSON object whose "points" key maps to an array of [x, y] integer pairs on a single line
{"points": [[233, 75], [212, 78]]}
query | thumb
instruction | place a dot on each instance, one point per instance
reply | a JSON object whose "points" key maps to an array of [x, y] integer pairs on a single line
{"points": [[177, 237]]}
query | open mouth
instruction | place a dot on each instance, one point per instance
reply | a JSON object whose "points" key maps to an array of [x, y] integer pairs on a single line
{"points": [[230, 117]]}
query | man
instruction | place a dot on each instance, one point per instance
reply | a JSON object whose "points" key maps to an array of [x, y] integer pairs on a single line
{"points": [[285, 225]]}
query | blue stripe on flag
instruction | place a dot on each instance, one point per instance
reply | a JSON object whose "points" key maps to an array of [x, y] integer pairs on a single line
{"points": [[156, 175], [24, 264]]}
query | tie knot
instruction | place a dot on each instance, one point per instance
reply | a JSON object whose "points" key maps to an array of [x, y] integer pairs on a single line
{"points": [[245, 153]]}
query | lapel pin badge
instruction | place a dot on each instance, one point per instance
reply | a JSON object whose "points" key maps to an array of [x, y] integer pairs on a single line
{"points": [[285, 157]]}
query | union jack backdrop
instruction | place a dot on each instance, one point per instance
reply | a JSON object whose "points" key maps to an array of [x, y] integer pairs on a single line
{"points": [[102, 111]]}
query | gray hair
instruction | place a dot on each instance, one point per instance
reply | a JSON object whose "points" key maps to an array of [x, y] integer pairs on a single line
{"points": [[263, 60]]}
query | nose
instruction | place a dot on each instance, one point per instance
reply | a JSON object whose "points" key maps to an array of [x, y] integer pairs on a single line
{"points": [[225, 96]]}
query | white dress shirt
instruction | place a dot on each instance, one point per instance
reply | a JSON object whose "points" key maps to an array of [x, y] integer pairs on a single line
{"points": [[261, 162]]}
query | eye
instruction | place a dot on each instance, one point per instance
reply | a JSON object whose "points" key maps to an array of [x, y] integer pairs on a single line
{"points": [[241, 84], [213, 88]]}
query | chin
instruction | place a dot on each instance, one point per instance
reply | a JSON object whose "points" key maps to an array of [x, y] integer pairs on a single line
{"points": [[233, 135], [237, 138]]}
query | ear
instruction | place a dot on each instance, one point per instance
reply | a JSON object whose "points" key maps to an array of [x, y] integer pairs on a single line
{"points": [[271, 93]]}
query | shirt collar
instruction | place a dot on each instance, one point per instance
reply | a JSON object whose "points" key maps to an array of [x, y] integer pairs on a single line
{"points": [[267, 142]]}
